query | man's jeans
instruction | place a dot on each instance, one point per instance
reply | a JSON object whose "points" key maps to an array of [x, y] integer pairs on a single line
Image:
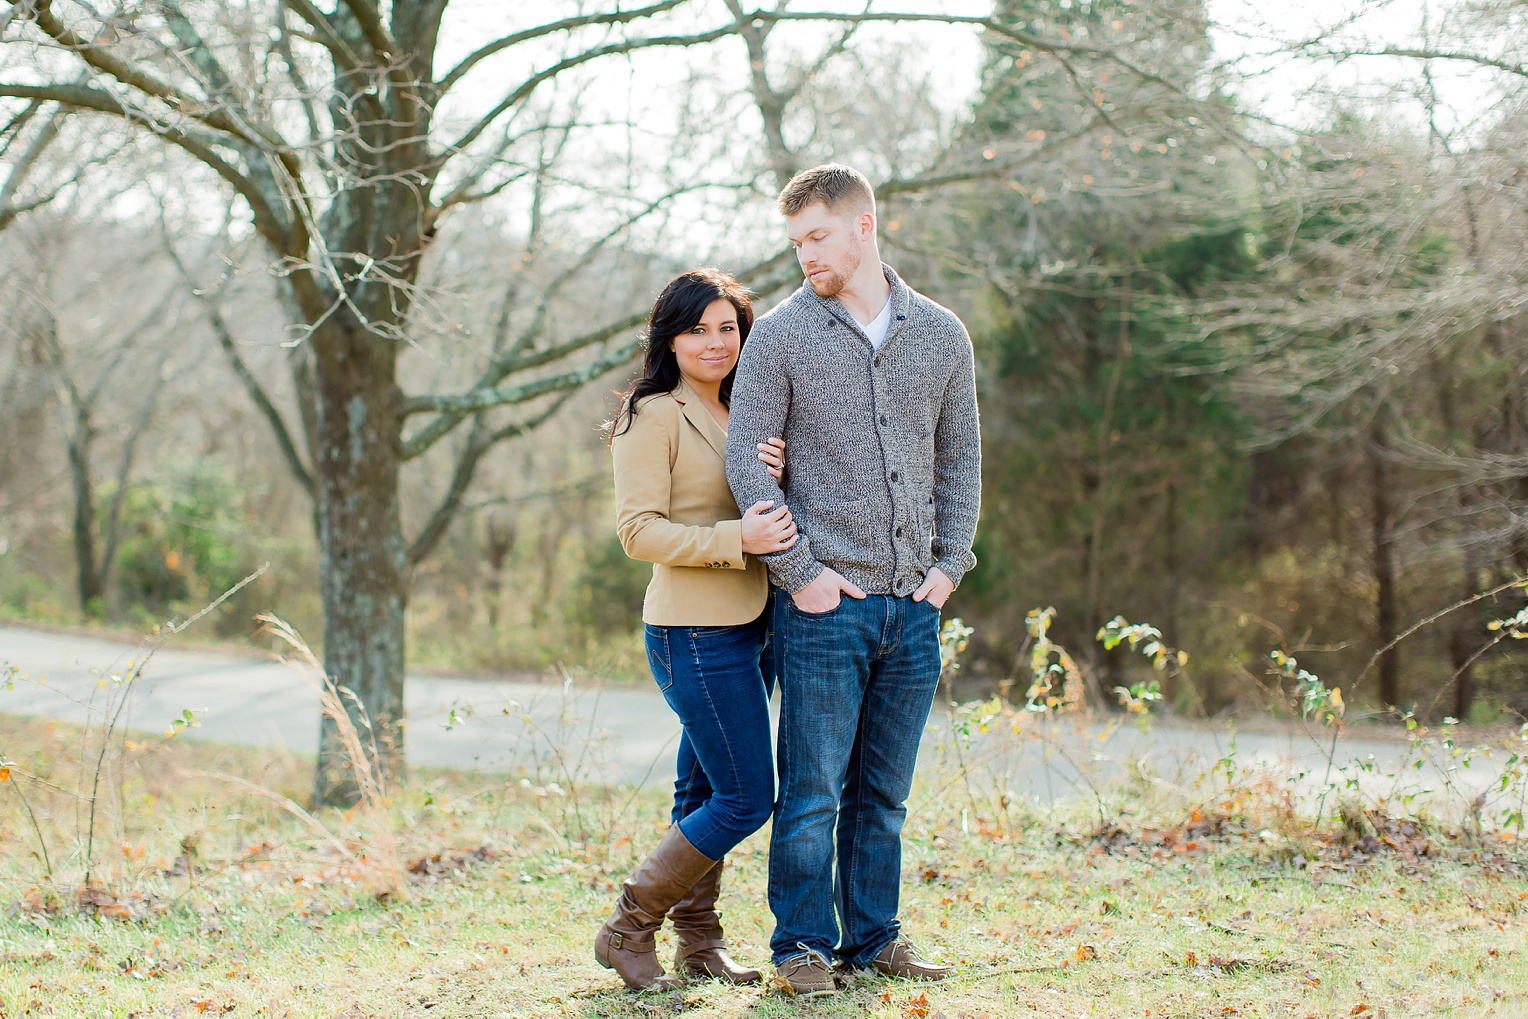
{"points": [[856, 685], [710, 675]]}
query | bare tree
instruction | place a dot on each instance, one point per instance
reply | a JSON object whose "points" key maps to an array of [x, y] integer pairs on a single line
{"points": [[101, 346], [347, 140]]}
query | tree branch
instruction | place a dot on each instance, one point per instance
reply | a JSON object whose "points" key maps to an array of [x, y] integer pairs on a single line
{"points": [[195, 49], [771, 104], [540, 31], [82, 97], [993, 25], [993, 171], [23, 167], [328, 37], [1478, 59], [113, 531], [376, 33], [241, 371], [258, 396], [524, 90], [466, 469], [103, 60], [508, 360], [765, 276], [483, 399]]}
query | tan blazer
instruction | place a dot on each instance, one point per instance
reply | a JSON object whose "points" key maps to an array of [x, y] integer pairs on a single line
{"points": [[673, 509]]}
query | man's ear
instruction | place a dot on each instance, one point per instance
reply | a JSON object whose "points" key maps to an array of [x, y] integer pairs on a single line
{"points": [[867, 225]]}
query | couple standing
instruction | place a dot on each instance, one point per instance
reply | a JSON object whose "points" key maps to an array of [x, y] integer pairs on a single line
{"points": [[866, 533]]}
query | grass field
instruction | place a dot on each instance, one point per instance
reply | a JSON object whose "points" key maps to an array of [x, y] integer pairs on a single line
{"points": [[474, 896]]}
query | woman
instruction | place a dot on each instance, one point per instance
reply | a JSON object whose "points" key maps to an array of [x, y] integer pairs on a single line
{"points": [[705, 630]]}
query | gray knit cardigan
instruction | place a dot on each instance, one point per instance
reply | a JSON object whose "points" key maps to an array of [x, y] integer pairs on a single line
{"points": [[883, 448]]}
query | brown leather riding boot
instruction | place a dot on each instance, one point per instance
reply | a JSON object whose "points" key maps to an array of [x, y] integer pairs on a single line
{"points": [[625, 944], [698, 926]]}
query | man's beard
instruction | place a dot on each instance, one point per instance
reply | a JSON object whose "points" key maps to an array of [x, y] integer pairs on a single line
{"points": [[832, 282]]}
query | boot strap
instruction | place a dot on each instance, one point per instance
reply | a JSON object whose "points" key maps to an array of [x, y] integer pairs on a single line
{"points": [[689, 948], [632, 942]]}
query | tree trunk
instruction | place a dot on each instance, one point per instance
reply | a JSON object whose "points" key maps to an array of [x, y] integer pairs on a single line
{"points": [[1173, 569], [88, 577], [1385, 613], [362, 559], [1464, 639]]}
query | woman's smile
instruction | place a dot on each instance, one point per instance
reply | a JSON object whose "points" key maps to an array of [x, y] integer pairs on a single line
{"points": [[708, 352]]}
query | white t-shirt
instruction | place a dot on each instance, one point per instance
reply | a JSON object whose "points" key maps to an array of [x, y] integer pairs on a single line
{"points": [[878, 326]]}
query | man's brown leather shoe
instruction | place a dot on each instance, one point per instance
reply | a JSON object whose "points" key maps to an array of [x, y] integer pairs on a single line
{"points": [[808, 975], [900, 959], [625, 944], [697, 924]]}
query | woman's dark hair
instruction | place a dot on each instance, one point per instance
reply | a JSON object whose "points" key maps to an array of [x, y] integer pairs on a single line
{"points": [[677, 310]]}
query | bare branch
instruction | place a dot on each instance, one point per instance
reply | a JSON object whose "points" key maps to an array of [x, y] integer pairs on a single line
{"points": [[988, 171], [466, 196], [771, 104], [328, 36], [764, 277], [102, 59], [483, 399], [112, 529], [480, 442], [268, 220], [524, 90], [23, 167], [241, 371], [508, 359], [1414, 53], [376, 33], [195, 49], [551, 28], [1052, 46], [294, 72], [13, 128]]}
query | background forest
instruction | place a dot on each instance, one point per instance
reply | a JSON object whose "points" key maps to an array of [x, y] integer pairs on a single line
{"points": [[1252, 357]]}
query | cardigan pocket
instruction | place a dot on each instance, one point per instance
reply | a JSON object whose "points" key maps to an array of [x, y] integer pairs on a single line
{"points": [[843, 533]]}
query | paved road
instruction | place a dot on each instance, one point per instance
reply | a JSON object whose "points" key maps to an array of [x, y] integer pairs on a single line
{"points": [[610, 735], [626, 735]]}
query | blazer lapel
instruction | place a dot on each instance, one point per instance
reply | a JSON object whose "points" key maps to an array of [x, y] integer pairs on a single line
{"points": [[702, 421]]}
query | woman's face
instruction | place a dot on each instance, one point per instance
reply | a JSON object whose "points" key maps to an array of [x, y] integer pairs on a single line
{"points": [[709, 351]]}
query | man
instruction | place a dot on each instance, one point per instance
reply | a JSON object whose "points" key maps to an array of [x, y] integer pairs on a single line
{"points": [[873, 387]]}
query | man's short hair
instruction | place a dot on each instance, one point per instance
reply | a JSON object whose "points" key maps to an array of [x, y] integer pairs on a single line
{"points": [[839, 187]]}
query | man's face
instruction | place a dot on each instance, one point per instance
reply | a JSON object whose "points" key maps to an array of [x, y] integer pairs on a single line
{"points": [[829, 245]]}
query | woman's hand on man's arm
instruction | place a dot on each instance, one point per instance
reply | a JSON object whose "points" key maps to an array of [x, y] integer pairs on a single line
{"points": [[772, 452], [766, 529]]}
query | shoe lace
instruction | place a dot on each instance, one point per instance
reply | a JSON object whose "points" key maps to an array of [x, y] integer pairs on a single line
{"points": [[810, 956]]}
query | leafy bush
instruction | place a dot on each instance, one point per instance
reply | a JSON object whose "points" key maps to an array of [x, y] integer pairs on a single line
{"points": [[182, 542]]}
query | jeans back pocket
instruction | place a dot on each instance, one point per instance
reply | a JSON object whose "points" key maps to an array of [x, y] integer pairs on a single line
{"points": [[659, 659]]}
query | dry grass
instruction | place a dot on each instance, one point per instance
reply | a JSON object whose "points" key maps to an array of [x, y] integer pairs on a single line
{"points": [[222, 902]]}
